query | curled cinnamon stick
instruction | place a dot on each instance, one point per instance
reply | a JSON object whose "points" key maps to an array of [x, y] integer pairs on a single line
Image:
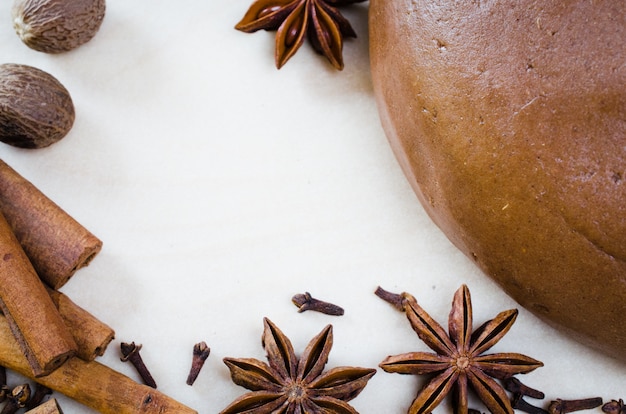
{"points": [[92, 336], [56, 244], [92, 384], [34, 320]]}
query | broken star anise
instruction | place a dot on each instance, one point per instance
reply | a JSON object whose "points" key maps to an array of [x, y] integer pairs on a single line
{"points": [[292, 385], [320, 20], [459, 358]]}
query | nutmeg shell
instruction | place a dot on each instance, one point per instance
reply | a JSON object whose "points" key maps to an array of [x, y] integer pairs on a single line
{"points": [[56, 26], [509, 120], [36, 110]]}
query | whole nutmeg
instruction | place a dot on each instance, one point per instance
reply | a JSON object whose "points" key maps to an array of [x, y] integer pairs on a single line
{"points": [[55, 26], [35, 108]]}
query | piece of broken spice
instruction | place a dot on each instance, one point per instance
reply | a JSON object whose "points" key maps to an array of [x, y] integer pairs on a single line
{"points": [[49, 407]]}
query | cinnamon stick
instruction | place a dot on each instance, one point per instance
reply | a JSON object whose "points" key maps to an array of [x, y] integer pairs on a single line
{"points": [[34, 320], [49, 407], [56, 244], [92, 384], [91, 335]]}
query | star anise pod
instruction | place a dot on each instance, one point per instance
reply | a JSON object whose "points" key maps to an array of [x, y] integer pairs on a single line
{"points": [[295, 385], [320, 20], [458, 359]]}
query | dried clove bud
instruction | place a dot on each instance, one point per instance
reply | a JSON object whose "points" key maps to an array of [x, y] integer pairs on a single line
{"points": [[17, 399], [4, 389], [519, 403], [37, 397], [306, 302], [130, 352], [568, 406], [201, 352], [614, 407], [396, 300], [515, 386], [4, 393]]}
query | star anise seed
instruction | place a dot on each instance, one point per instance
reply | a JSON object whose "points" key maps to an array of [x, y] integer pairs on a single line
{"points": [[319, 20], [295, 385], [459, 360]]}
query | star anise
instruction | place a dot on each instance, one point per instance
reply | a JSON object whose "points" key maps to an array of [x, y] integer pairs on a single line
{"points": [[459, 358], [320, 20], [292, 385]]}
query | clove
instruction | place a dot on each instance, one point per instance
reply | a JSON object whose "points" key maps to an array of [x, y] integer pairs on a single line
{"points": [[519, 403], [515, 386], [396, 300], [201, 352], [568, 406], [4, 389], [130, 352], [306, 302], [17, 399], [37, 397], [614, 407]]}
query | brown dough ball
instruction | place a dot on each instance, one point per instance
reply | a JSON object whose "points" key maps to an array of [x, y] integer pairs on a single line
{"points": [[509, 120]]}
